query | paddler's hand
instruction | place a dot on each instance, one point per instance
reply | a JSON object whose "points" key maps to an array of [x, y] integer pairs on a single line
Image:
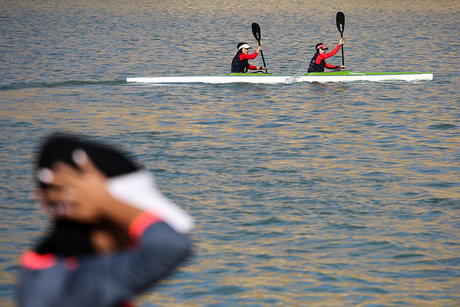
{"points": [[341, 41], [341, 67], [259, 48]]}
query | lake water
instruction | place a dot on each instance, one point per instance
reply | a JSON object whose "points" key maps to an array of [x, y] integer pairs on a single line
{"points": [[304, 194]]}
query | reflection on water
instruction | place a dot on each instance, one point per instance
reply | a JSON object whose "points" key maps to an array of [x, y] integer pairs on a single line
{"points": [[304, 194]]}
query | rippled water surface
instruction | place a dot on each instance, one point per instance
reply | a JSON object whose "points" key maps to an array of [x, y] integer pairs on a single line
{"points": [[305, 194]]}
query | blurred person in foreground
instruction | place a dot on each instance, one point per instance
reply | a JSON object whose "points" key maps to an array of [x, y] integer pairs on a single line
{"points": [[112, 236]]}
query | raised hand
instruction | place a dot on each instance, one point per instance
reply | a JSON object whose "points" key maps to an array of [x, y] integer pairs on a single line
{"points": [[79, 195]]}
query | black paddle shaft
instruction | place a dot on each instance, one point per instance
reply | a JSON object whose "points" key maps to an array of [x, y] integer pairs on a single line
{"points": [[340, 19], [256, 32]]}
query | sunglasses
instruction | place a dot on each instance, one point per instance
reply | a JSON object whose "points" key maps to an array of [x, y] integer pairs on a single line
{"points": [[324, 48]]}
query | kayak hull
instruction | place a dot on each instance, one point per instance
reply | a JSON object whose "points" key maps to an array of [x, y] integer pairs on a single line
{"points": [[340, 76]]}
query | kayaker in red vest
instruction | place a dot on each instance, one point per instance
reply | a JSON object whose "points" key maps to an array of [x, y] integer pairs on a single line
{"points": [[240, 62], [318, 61]]}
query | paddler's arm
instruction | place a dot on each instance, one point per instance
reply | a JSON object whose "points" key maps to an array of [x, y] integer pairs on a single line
{"points": [[334, 66], [252, 56], [329, 54], [252, 67], [331, 66]]}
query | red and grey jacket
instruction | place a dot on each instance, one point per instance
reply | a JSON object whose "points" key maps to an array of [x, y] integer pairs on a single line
{"points": [[104, 280]]}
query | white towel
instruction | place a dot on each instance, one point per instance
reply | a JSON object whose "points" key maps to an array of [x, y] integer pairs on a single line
{"points": [[139, 190]]}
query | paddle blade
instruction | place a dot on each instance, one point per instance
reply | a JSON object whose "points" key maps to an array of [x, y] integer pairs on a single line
{"points": [[340, 18], [256, 31]]}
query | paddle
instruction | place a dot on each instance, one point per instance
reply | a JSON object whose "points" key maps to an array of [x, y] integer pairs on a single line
{"points": [[256, 32], [340, 19]]}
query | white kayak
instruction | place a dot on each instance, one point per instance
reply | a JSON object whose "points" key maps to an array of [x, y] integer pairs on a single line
{"points": [[335, 76]]}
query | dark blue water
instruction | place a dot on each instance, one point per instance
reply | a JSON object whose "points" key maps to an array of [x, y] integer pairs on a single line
{"points": [[303, 194]]}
